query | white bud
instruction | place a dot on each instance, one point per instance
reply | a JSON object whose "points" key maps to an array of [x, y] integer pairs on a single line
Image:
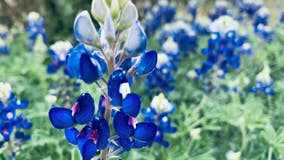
{"points": [[5, 91], [161, 104], [84, 29], [99, 9], [129, 16], [61, 49]]}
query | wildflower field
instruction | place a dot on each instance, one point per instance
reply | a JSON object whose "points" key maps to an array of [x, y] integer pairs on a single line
{"points": [[141, 80]]}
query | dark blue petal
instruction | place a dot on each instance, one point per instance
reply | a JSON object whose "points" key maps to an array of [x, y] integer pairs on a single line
{"points": [[131, 104], [145, 131], [104, 133], [89, 69], [73, 60], [61, 118], [116, 79], [85, 112], [89, 150], [24, 104], [139, 144], [121, 125], [147, 63], [71, 135], [125, 143], [83, 136]]}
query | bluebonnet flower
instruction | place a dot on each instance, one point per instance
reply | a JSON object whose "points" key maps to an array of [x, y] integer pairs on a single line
{"points": [[201, 25], [245, 49], [263, 82], [12, 126], [182, 34], [221, 9], [58, 52], [192, 9], [118, 48], [250, 7], [4, 48], [282, 17], [158, 113], [222, 46], [35, 29], [4, 33], [162, 13], [260, 24], [161, 79]]}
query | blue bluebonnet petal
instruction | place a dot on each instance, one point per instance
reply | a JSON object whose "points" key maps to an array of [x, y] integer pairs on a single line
{"points": [[89, 71], [83, 136], [131, 104], [85, 112], [61, 118], [104, 133], [71, 135], [145, 131], [147, 62], [121, 125], [139, 144], [89, 150], [116, 79], [73, 60], [24, 104], [125, 143]]}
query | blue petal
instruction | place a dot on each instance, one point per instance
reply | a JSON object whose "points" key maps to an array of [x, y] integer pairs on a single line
{"points": [[131, 104], [71, 135], [61, 118], [86, 109], [121, 125], [125, 143], [104, 132], [89, 71], [136, 42], [89, 150], [145, 131], [147, 63], [116, 79], [24, 104], [84, 29], [139, 144], [73, 60]]}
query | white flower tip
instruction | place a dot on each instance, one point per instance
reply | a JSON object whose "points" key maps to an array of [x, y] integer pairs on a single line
{"points": [[98, 9], [84, 29], [129, 16], [33, 16]]}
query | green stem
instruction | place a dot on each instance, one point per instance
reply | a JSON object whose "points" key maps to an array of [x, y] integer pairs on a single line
{"points": [[244, 138], [270, 151]]}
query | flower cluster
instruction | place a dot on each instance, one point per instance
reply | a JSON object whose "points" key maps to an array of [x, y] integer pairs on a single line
{"points": [[222, 46], [260, 24], [192, 9], [58, 53], [249, 7], [35, 29], [263, 82], [221, 9], [158, 113], [12, 126], [117, 51], [161, 79], [182, 34], [4, 32], [162, 13]]}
